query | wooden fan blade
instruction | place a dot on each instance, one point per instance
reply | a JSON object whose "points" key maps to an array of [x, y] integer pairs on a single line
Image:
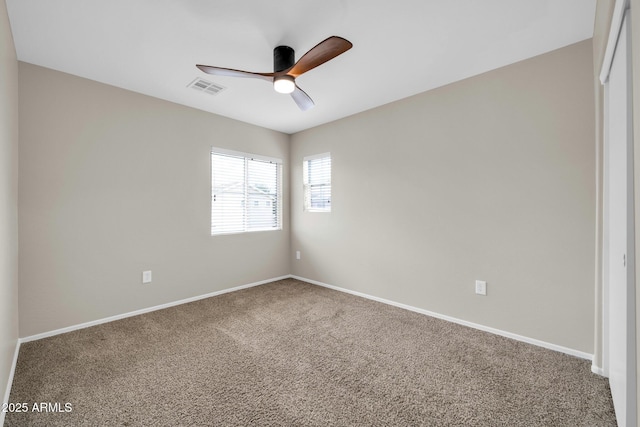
{"points": [[321, 53], [229, 72], [301, 98]]}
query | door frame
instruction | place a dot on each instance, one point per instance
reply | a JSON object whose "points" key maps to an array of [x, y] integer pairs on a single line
{"points": [[621, 8]]}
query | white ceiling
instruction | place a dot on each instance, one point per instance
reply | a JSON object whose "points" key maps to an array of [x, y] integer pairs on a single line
{"points": [[400, 47]]}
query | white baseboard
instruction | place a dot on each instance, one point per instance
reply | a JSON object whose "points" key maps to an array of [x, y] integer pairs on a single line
{"points": [[544, 344], [533, 341], [597, 370], [144, 310], [12, 371]]}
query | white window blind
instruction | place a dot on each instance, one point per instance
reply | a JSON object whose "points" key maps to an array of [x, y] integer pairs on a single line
{"points": [[317, 183], [245, 192]]}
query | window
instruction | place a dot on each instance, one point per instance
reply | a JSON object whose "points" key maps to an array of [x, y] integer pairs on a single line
{"points": [[246, 192], [317, 183]]}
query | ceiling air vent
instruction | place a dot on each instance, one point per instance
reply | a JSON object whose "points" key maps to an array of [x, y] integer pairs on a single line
{"points": [[206, 86]]}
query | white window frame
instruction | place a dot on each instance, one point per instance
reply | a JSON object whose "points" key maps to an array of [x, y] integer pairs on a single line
{"points": [[245, 205], [307, 186]]}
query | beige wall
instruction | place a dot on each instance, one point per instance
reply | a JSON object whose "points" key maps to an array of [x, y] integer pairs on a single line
{"points": [[113, 183], [8, 199], [490, 178]]}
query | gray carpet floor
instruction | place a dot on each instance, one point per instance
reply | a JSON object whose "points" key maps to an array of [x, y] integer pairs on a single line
{"points": [[293, 354]]}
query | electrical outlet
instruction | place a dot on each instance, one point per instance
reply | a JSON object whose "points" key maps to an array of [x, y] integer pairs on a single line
{"points": [[297, 254], [146, 276], [481, 287]]}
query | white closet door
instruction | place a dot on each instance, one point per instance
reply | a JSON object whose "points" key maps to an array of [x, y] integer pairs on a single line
{"points": [[621, 227]]}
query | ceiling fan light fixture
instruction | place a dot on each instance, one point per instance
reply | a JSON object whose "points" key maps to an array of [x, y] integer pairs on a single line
{"points": [[286, 70], [284, 84]]}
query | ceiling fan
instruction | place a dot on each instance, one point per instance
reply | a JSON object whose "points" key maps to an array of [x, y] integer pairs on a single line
{"points": [[286, 70]]}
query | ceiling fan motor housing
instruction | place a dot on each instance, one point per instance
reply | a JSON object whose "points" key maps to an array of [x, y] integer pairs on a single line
{"points": [[283, 58]]}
